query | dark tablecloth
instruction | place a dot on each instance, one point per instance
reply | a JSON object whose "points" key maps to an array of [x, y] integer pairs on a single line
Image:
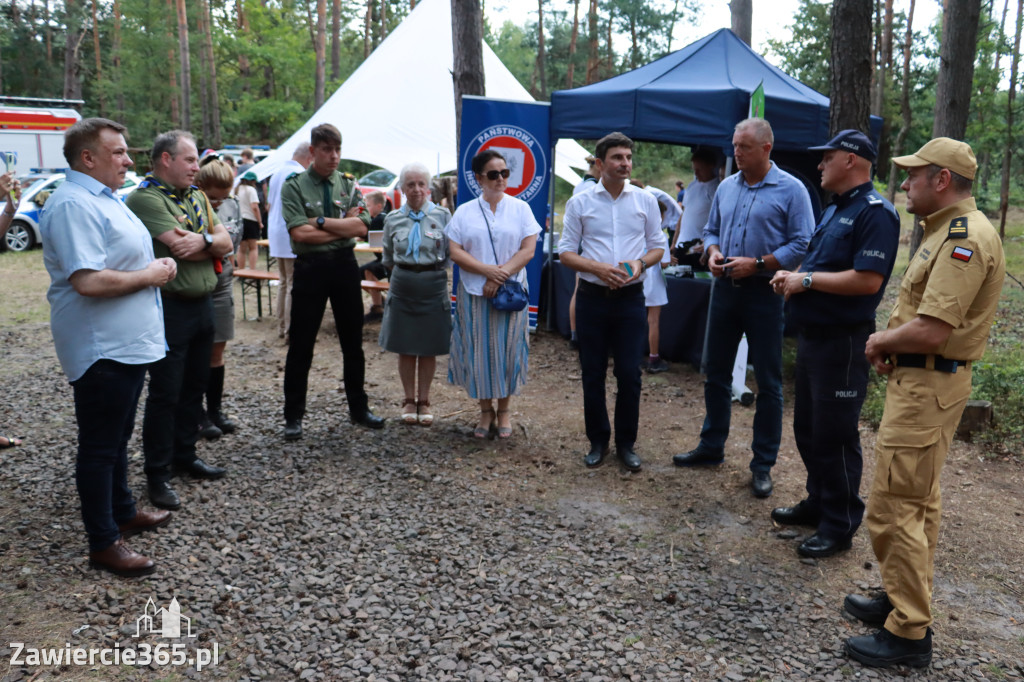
{"points": [[683, 320]]}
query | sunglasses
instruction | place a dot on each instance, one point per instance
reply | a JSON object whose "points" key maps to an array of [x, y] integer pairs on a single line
{"points": [[495, 174]]}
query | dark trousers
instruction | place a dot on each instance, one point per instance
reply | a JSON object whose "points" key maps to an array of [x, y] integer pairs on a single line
{"points": [[106, 398], [319, 278], [616, 324], [170, 426], [750, 308], [831, 380]]}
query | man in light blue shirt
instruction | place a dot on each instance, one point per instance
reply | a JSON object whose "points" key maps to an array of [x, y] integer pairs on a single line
{"points": [[760, 222], [107, 327]]}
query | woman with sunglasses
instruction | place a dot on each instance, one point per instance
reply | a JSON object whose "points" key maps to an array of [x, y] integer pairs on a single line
{"points": [[491, 238], [417, 320], [216, 179]]}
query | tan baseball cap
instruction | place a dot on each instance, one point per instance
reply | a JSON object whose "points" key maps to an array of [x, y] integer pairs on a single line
{"points": [[943, 152]]}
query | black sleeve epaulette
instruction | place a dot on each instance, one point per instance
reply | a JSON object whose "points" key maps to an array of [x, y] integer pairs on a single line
{"points": [[957, 228]]}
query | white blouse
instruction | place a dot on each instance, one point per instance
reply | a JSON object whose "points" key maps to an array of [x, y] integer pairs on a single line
{"points": [[510, 224]]}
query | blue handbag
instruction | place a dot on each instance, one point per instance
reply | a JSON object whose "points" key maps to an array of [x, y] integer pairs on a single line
{"points": [[511, 296]]}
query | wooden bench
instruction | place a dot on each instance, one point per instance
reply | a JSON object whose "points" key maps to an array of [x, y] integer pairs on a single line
{"points": [[370, 285], [254, 279]]}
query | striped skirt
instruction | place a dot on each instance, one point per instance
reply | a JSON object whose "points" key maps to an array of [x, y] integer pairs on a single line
{"points": [[490, 348]]}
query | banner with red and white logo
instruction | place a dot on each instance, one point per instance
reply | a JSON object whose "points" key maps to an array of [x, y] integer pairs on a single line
{"points": [[520, 131]]}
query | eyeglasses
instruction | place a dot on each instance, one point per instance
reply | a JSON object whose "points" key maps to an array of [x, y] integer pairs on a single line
{"points": [[495, 174]]}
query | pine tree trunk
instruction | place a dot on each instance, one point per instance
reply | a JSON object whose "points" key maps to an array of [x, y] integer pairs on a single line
{"points": [[186, 68], [204, 86], [611, 50], [541, 66], [956, 68], [901, 136], [48, 31], [211, 61], [115, 56], [244, 69], [572, 42], [72, 61], [99, 58], [851, 65], [172, 75], [336, 40], [321, 35], [467, 49], [742, 18], [384, 20], [1004, 189], [366, 28], [884, 82], [592, 37]]}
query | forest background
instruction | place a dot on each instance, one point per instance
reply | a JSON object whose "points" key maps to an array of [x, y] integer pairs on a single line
{"points": [[252, 71]]}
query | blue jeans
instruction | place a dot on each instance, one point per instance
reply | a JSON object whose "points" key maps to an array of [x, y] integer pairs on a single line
{"points": [[106, 398], [170, 426], [614, 323], [751, 308]]}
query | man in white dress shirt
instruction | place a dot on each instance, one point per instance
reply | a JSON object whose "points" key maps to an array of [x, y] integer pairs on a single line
{"points": [[697, 200], [611, 235], [277, 234]]}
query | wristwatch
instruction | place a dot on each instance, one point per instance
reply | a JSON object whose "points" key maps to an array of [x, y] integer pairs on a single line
{"points": [[808, 280], [759, 262], [320, 223], [208, 238], [643, 265]]}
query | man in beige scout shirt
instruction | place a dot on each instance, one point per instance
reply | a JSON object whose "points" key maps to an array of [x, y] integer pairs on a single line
{"points": [[940, 325]]}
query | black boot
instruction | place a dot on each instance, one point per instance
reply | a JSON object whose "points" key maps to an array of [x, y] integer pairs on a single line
{"points": [[207, 429], [214, 392]]}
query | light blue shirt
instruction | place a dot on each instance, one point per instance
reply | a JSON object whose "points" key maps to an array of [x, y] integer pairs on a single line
{"points": [[774, 216], [86, 227]]}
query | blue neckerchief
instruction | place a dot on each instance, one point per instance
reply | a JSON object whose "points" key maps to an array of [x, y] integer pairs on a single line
{"points": [[415, 236]]}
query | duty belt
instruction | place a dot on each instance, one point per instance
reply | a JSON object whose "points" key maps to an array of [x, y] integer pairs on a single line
{"points": [[835, 331], [420, 267], [936, 362]]}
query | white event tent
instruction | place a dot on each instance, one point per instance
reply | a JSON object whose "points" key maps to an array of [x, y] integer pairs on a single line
{"points": [[399, 105]]}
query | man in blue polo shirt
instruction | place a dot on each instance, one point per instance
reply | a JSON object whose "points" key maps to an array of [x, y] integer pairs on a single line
{"points": [[832, 302], [760, 222]]}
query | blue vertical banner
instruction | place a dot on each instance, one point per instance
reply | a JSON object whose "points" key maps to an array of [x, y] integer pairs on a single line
{"points": [[521, 132]]}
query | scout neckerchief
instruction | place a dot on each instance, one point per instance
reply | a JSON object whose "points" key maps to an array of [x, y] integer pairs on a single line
{"points": [[415, 236], [179, 200]]}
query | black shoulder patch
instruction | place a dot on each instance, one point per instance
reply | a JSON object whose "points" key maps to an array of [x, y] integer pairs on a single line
{"points": [[295, 174], [958, 228]]}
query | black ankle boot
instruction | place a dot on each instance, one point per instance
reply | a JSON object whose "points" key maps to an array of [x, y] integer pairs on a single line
{"points": [[214, 392]]}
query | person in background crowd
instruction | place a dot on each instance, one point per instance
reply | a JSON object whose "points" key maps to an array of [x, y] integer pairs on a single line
{"points": [[588, 182], [11, 190], [277, 233], [176, 215], [248, 161], [107, 329], [760, 222], [252, 222], [417, 319], [324, 213], [939, 327], [491, 239], [696, 206], [832, 301], [611, 235], [680, 193], [216, 181], [375, 271]]}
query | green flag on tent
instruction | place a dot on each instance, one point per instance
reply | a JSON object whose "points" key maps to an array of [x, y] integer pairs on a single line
{"points": [[757, 101]]}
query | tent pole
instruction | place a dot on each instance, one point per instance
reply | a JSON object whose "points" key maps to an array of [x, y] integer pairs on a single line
{"points": [[549, 240]]}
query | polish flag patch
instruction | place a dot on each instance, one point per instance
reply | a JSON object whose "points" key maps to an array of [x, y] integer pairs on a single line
{"points": [[960, 253]]}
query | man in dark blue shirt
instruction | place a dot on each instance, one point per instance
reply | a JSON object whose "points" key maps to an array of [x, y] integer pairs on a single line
{"points": [[832, 302]]}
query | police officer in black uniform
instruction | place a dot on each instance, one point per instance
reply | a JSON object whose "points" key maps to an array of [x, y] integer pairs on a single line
{"points": [[832, 302]]}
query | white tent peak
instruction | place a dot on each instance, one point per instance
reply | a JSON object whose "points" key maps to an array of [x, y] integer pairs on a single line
{"points": [[399, 105]]}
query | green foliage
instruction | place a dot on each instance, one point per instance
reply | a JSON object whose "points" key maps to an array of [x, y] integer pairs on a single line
{"points": [[999, 381], [807, 55]]}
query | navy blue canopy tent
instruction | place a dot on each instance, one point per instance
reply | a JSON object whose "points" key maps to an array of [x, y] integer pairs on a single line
{"points": [[695, 95]]}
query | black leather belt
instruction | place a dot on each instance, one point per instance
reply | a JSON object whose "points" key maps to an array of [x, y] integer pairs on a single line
{"points": [[420, 268], [592, 289], [936, 362], [835, 331], [344, 253]]}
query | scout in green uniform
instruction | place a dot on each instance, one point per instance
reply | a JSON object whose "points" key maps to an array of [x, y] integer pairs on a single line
{"points": [[939, 326], [186, 228], [324, 214]]}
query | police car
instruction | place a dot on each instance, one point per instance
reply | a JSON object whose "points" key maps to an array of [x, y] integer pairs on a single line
{"points": [[23, 234]]}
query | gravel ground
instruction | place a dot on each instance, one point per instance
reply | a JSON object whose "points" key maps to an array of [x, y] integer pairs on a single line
{"points": [[419, 554]]}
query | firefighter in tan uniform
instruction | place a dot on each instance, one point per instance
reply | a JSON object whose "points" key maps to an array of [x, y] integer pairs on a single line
{"points": [[940, 325]]}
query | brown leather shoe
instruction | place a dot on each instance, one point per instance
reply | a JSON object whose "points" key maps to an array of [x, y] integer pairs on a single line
{"points": [[120, 560], [143, 521]]}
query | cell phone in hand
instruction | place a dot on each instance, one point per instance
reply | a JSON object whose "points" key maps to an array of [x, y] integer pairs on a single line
{"points": [[627, 267]]}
